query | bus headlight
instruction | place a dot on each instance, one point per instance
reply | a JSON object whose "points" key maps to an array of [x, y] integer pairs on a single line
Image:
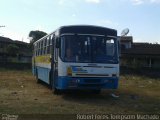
{"points": [[69, 71]]}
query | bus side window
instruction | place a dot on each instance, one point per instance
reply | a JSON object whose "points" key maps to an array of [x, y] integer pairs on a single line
{"points": [[51, 38], [41, 47], [45, 47], [48, 45], [38, 49], [38, 52], [35, 50], [47, 50]]}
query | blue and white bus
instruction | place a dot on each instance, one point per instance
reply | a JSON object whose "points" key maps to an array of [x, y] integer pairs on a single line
{"points": [[78, 57]]}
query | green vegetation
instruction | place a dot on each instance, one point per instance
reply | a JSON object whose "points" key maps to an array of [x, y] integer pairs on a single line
{"points": [[20, 94], [12, 49], [36, 35]]}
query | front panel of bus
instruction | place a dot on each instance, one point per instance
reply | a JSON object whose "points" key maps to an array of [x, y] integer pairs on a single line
{"points": [[88, 61]]}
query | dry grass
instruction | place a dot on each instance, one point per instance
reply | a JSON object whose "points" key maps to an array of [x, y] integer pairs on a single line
{"points": [[19, 94]]}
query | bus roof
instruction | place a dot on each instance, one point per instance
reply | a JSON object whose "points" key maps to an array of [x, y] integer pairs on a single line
{"points": [[84, 29], [87, 29]]}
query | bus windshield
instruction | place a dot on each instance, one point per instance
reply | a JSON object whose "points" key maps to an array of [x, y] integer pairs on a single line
{"points": [[88, 49]]}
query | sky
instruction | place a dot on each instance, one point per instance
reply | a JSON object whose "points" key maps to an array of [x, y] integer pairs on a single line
{"points": [[142, 17]]}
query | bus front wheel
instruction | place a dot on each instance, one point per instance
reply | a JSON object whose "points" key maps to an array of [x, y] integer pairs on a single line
{"points": [[37, 80], [56, 91]]}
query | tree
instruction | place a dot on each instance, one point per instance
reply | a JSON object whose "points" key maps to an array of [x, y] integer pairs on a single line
{"points": [[36, 35], [12, 49]]}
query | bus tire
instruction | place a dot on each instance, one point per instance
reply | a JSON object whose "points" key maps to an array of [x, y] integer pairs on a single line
{"points": [[37, 80], [56, 91]]}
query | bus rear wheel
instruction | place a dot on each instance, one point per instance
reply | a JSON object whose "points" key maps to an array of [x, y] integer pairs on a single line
{"points": [[37, 79]]}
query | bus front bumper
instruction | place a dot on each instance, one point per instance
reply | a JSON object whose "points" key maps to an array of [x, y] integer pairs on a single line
{"points": [[87, 83]]}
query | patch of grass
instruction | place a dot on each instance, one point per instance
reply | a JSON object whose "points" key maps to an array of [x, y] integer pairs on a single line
{"points": [[20, 94]]}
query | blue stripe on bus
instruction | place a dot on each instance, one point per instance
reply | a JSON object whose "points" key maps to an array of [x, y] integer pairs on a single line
{"points": [[87, 83]]}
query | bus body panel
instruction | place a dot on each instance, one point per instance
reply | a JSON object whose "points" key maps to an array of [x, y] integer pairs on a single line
{"points": [[101, 76], [43, 74], [88, 68], [43, 68]]}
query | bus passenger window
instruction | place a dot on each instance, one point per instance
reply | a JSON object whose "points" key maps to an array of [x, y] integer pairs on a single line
{"points": [[44, 50], [35, 50], [48, 49], [38, 52], [42, 47], [48, 44], [45, 42], [38, 45], [51, 39], [110, 47], [35, 53], [41, 42]]}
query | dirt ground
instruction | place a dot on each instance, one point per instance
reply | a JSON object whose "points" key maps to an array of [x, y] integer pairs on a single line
{"points": [[20, 94]]}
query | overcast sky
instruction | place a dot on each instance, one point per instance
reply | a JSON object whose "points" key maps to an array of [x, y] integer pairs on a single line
{"points": [[142, 17]]}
